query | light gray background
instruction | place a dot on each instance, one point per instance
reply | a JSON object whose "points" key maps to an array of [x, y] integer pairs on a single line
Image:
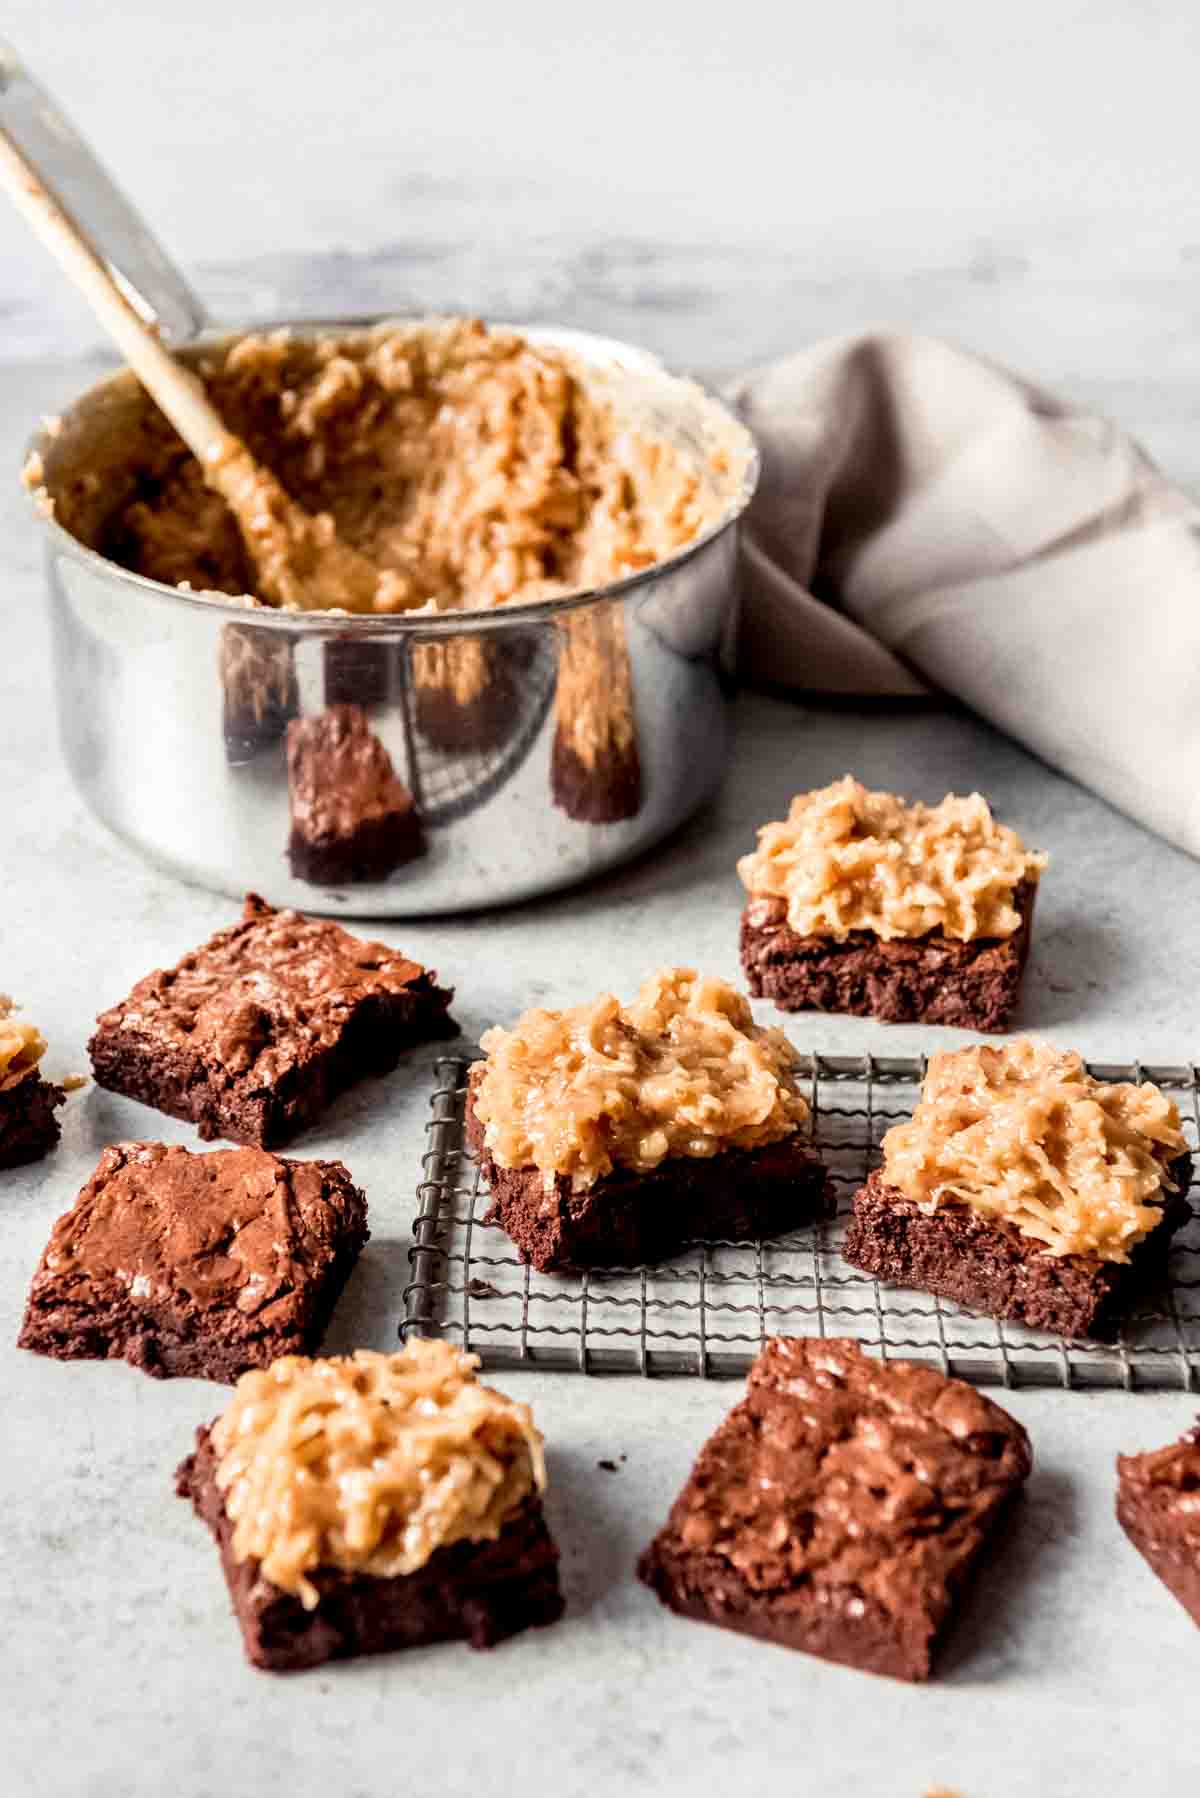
{"points": [[720, 188]]}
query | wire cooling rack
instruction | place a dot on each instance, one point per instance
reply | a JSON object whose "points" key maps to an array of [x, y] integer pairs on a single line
{"points": [[708, 1311]]}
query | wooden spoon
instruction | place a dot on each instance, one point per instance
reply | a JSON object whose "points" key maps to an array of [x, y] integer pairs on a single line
{"points": [[298, 558]]}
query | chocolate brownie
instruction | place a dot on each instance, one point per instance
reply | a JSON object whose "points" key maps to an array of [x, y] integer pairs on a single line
{"points": [[1158, 1507], [478, 1592], [352, 820], [841, 1507], [196, 1264], [931, 979], [627, 1218], [251, 1035], [28, 1126], [988, 1265]]}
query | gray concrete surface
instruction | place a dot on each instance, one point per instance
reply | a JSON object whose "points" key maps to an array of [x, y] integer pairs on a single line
{"points": [[1073, 1672]]}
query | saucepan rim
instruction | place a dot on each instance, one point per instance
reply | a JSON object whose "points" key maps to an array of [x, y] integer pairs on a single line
{"points": [[224, 608]]}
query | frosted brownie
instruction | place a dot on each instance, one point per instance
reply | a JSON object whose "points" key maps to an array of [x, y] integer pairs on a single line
{"points": [[841, 1507], [859, 902], [202, 1265], [373, 1502], [1158, 1507], [251, 1035], [1024, 1188], [28, 1126], [612, 1135], [352, 819]]}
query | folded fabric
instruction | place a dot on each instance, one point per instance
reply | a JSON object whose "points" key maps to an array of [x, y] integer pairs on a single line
{"points": [[926, 519]]}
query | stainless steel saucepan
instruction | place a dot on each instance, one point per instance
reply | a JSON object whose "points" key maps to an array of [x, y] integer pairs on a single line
{"points": [[541, 743]]}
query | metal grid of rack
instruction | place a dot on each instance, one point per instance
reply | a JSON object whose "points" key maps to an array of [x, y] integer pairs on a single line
{"points": [[708, 1311]]}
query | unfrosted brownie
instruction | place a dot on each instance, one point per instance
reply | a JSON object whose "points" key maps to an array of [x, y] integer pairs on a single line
{"points": [[1025, 1189], [28, 1126], [352, 819], [251, 1035], [841, 1507], [375, 1502], [861, 903], [1158, 1507], [612, 1136], [202, 1265]]}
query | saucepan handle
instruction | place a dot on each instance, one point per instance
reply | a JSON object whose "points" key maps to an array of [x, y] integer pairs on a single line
{"points": [[53, 147]]}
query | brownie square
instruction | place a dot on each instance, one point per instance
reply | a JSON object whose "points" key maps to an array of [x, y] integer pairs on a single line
{"points": [[627, 1219], [1158, 1507], [28, 1126], [202, 1265], [931, 979], [252, 1035], [841, 1507], [352, 820], [988, 1265]]}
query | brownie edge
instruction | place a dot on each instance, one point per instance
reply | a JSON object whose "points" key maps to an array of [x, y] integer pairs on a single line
{"points": [[930, 979], [987, 1265], [628, 1219], [1158, 1507], [478, 1592], [28, 1126]]}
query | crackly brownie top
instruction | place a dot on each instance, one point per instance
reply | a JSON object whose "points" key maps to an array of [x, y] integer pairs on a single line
{"points": [[840, 1471], [267, 993], [340, 774], [235, 1231], [370, 1462], [22, 1045], [1022, 1133], [849, 859], [1169, 1479], [684, 1070]]}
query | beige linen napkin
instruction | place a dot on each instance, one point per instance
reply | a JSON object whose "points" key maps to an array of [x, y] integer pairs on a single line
{"points": [[927, 519]]}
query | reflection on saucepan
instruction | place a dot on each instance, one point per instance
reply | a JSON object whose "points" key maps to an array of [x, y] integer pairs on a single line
{"points": [[351, 818], [595, 769], [258, 688], [477, 702], [461, 692], [358, 670]]}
